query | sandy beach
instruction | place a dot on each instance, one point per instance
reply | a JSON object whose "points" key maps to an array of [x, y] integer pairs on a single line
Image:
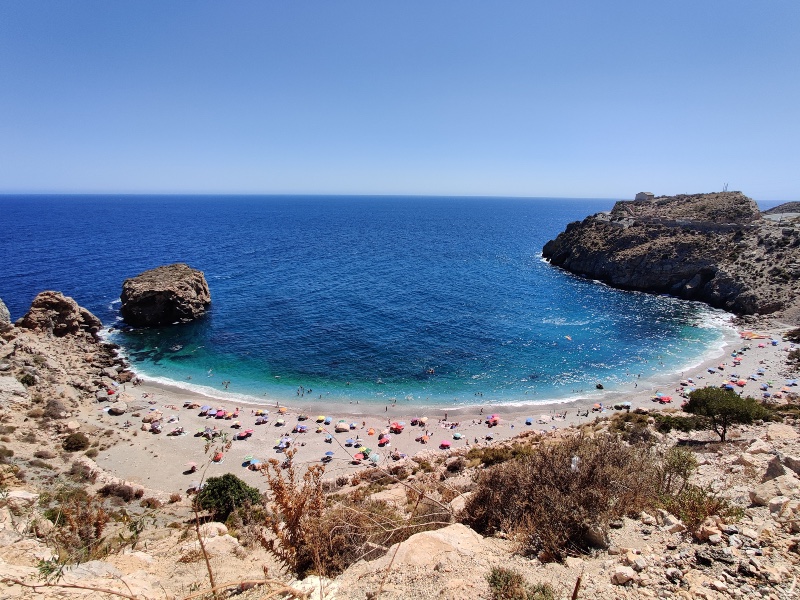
{"points": [[161, 461]]}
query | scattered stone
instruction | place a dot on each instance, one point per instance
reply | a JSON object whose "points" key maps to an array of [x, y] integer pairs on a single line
{"points": [[647, 519], [622, 575]]}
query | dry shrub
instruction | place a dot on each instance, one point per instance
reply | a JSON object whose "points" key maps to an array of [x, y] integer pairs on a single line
{"points": [[175, 497], [80, 523], [44, 453], [81, 473], [151, 503], [312, 535], [75, 442], [121, 490], [560, 499], [54, 409]]}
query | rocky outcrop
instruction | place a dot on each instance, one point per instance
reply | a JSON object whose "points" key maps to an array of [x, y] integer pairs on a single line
{"points": [[59, 314], [715, 248], [5, 317], [165, 295]]}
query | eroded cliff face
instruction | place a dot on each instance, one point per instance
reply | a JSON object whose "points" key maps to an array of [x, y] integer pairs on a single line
{"points": [[165, 295], [715, 248]]}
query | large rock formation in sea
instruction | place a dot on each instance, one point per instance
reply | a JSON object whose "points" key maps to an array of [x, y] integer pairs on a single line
{"points": [[165, 295], [716, 248], [59, 314]]}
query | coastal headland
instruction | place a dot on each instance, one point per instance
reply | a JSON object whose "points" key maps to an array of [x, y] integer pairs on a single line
{"points": [[59, 379], [716, 248]]}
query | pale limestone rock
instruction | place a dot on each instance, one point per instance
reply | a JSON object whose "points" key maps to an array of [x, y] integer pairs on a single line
{"points": [[647, 519], [759, 447], [429, 547], [774, 469], [777, 504], [18, 501], [782, 432], [785, 485], [791, 462], [213, 529], [622, 575]]}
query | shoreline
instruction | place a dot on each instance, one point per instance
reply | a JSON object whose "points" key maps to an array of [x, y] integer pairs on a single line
{"points": [[138, 457], [333, 403]]}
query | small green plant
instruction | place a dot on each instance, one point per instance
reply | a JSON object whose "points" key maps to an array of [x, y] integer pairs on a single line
{"points": [[27, 379], [222, 495], [507, 584], [693, 504]]}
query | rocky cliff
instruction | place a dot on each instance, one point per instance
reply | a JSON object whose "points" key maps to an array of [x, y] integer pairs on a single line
{"points": [[165, 295], [59, 314], [715, 248]]}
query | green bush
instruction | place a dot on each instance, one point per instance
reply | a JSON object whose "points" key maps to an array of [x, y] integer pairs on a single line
{"points": [[494, 455], [693, 504], [27, 379], [222, 495], [506, 584], [724, 408], [75, 442]]}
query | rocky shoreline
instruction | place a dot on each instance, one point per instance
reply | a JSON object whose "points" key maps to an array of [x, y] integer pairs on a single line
{"points": [[716, 248]]}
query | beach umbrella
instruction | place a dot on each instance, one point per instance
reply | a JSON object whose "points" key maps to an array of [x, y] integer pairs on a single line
{"points": [[328, 420], [762, 346], [444, 444], [353, 425], [370, 431], [741, 383], [458, 436], [249, 431], [374, 458], [710, 370], [247, 458], [282, 410], [529, 421], [728, 386], [329, 453], [320, 418], [358, 456], [764, 387], [348, 442]]}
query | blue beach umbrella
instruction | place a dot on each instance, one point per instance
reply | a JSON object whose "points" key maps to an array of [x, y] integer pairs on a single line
{"points": [[329, 453]]}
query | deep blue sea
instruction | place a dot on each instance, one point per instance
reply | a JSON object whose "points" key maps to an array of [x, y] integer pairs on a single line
{"points": [[430, 301]]}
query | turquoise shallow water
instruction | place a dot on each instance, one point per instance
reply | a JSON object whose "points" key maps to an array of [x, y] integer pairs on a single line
{"points": [[436, 301]]}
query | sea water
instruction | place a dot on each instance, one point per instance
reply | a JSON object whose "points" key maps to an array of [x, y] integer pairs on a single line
{"points": [[424, 301]]}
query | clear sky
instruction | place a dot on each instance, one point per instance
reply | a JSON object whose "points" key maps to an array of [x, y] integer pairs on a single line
{"points": [[562, 98]]}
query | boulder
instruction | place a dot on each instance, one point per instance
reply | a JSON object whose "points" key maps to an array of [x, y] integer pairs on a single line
{"points": [[759, 447], [165, 295], [622, 575], [785, 485], [774, 469], [780, 431], [59, 314], [118, 408]]}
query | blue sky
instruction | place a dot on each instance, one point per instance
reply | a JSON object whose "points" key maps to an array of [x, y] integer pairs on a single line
{"points": [[565, 99]]}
